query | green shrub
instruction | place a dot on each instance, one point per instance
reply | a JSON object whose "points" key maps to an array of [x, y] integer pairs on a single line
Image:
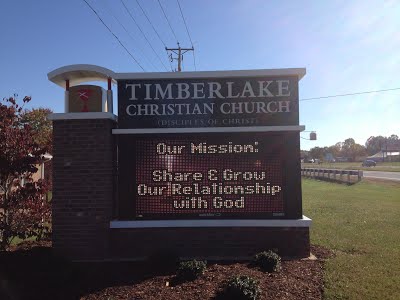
{"points": [[240, 288], [268, 261], [190, 270]]}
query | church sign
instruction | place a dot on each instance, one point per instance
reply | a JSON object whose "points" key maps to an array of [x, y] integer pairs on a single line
{"points": [[209, 148], [203, 165]]}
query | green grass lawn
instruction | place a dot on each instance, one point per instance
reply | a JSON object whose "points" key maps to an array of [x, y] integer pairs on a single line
{"points": [[361, 224], [383, 166]]}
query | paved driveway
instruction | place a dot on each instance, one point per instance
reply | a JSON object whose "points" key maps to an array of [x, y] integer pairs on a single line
{"points": [[382, 175]]}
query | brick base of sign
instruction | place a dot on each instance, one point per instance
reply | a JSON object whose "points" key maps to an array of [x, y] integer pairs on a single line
{"points": [[84, 164], [212, 243]]}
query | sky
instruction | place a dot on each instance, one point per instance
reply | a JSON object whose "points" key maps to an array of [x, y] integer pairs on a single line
{"points": [[346, 47]]}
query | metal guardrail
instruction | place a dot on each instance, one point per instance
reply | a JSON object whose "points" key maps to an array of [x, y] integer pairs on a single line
{"points": [[348, 176]]}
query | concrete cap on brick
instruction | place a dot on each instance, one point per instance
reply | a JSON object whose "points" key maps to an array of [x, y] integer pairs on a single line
{"points": [[77, 74]]}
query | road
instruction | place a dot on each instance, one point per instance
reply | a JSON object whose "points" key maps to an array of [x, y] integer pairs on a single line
{"points": [[382, 175]]}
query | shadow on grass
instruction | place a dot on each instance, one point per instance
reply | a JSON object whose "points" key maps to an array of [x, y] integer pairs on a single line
{"points": [[38, 273]]}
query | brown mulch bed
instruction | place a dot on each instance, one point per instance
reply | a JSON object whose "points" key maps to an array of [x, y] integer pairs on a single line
{"points": [[32, 271]]}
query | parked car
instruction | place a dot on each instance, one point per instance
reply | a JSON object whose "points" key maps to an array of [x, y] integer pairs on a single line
{"points": [[369, 163]]}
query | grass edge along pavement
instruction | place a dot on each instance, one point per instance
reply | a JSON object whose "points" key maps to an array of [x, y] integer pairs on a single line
{"points": [[360, 223]]}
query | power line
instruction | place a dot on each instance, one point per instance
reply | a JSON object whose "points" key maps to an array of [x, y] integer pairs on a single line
{"points": [[140, 29], [131, 55], [162, 41], [165, 15], [132, 38], [148, 19], [184, 21], [350, 94], [187, 30]]}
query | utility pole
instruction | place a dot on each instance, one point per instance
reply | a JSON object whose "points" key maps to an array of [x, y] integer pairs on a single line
{"points": [[179, 52]]}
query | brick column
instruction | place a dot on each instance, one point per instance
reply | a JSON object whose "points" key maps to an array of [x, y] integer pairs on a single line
{"points": [[84, 169]]}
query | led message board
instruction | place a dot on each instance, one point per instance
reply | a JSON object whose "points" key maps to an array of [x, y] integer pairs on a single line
{"points": [[209, 175]]}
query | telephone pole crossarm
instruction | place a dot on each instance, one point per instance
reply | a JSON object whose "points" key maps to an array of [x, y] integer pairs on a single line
{"points": [[179, 53]]}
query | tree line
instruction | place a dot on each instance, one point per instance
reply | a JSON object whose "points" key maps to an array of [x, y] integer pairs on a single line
{"points": [[351, 150]]}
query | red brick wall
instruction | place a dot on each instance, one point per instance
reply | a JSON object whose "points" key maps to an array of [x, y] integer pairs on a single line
{"points": [[84, 167]]}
